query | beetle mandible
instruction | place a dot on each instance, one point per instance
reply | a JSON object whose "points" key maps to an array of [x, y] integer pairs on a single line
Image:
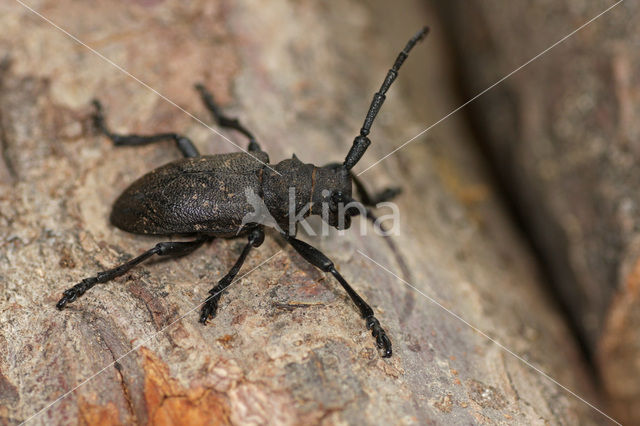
{"points": [[205, 197]]}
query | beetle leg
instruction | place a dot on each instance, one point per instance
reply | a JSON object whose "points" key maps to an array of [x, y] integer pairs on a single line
{"points": [[319, 260], [223, 120], [256, 238], [184, 144], [172, 248], [367, 199]]}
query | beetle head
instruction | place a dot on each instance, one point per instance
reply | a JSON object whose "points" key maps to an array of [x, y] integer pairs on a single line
{"points": [[331, 195]]}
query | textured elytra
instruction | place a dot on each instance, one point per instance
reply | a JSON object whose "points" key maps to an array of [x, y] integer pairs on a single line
{"points": [[204, 195]]}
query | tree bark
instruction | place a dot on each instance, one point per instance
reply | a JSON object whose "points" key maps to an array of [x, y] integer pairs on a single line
{"points": [[287, 346], [563, 134]]}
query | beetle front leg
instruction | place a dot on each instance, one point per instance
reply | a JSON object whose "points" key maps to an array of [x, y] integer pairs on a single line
{"points": [[173, 248], [256, 238], [367, 199], [319, 260]]}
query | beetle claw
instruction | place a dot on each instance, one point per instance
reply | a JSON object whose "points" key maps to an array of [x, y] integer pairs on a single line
{"points": [[208, 310], [382, 341], [62, 302], [71, 294], [384, 344]]}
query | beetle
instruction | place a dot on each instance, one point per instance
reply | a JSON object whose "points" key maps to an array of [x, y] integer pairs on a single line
{"points": [[205, 196]]}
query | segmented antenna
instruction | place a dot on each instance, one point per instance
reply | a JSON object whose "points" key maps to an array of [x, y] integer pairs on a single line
{"points": [[362, 142]]}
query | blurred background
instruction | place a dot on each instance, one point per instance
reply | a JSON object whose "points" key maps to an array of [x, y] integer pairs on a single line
{"points": [[562, 140]]}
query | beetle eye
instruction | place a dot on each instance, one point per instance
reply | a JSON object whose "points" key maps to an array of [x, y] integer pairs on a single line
{"points": [[337, 197]]}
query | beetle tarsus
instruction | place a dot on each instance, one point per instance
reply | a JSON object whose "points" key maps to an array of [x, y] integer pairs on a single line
{"points": [[209, 309], [71, 294], [382, 341]]}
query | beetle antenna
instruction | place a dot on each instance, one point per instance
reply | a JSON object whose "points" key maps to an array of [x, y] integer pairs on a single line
{"points": [[362, 142]]}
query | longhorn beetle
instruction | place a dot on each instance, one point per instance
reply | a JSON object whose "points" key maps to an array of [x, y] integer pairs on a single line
{"points": [[204, 196]]}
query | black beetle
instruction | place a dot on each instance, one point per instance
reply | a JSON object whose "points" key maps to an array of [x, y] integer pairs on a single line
{"points": [[211, 196]]}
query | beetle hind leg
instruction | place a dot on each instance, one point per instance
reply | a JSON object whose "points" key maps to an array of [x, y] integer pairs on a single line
{"points": [[184, 144], [223, 120], [173, 248], [256, 238]]}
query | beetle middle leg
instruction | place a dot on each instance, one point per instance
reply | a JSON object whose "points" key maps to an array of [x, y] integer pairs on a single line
{"points": [[256, 238], [319, 260], [184, 144], [171, 248], [223, 120]]}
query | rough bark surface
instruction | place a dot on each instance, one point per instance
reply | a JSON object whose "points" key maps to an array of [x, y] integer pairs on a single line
{"points": [[564, 133], [287, 346]]}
